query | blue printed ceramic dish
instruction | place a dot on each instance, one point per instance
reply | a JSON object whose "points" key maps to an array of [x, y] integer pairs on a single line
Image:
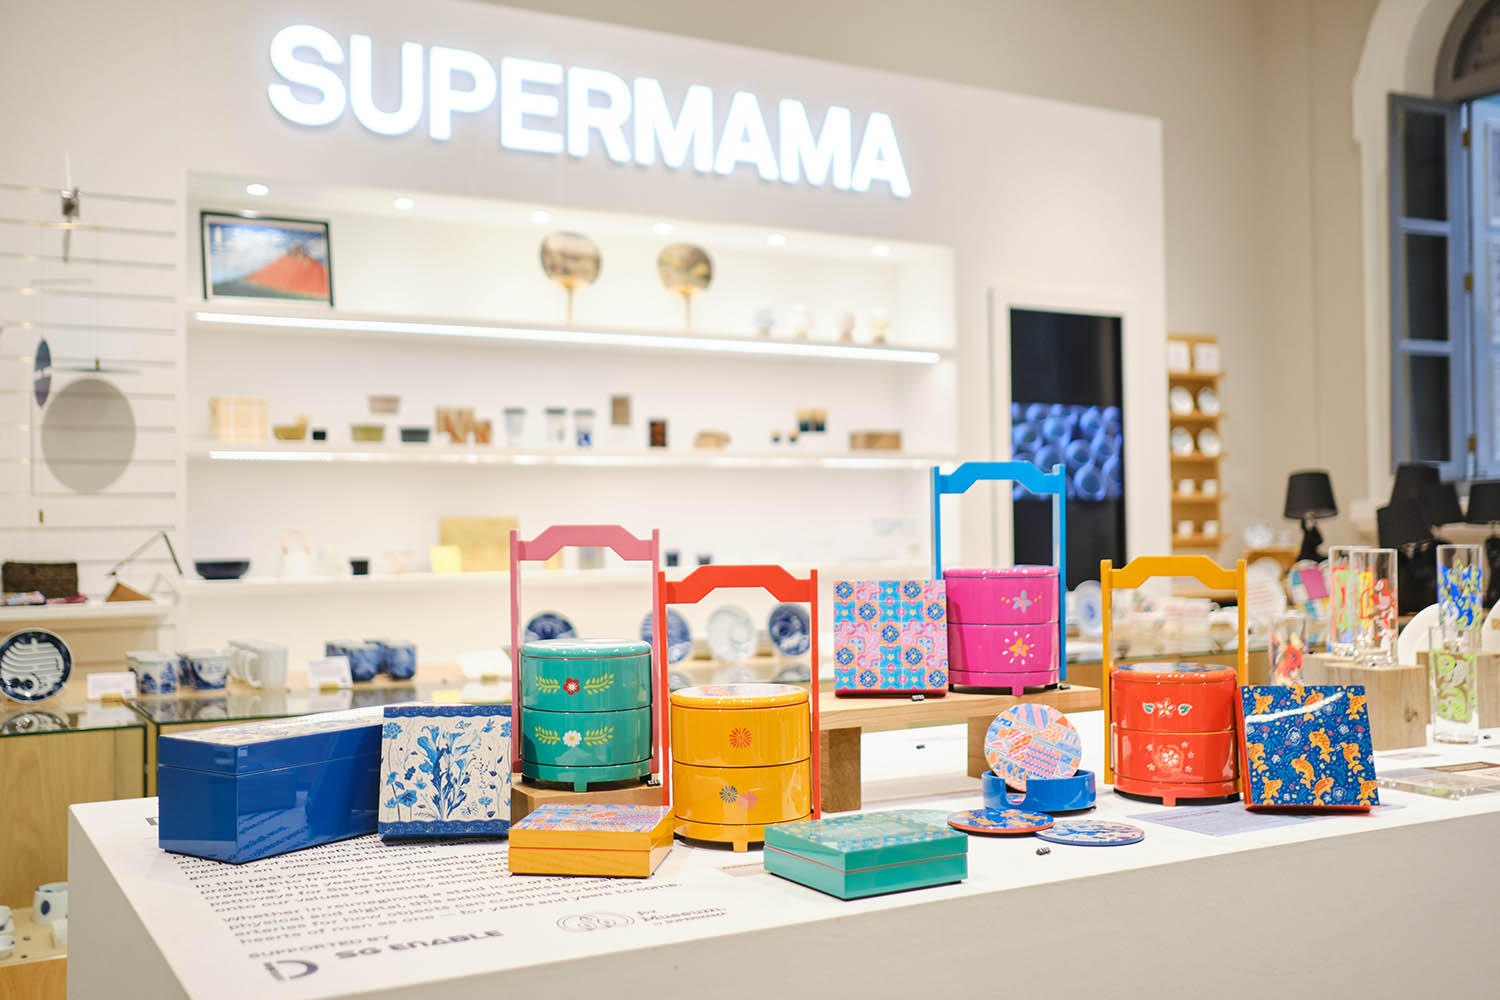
{"points": [[679, 636], [34, 665], [549, 625], [791, 629]]}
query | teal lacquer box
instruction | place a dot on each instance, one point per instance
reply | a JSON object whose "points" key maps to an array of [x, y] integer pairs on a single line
{"points": [[587, 711], [869, 854]]}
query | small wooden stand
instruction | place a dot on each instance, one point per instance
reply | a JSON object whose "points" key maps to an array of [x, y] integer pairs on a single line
{"points": [[1396, 697], [524, 797]]}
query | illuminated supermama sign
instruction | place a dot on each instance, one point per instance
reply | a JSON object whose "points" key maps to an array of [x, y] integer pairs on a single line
{"points": [[547, 108]]}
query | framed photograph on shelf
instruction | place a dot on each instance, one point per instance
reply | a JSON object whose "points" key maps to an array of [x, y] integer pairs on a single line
{"points": [[1179, 356], [254, 257]]}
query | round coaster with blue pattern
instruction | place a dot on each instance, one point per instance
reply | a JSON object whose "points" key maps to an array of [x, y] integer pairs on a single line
{"points": [[999, 821], [1092, 833]]}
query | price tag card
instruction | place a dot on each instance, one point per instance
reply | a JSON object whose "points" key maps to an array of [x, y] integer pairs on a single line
{"points": [[111, 684], [329, 672]]}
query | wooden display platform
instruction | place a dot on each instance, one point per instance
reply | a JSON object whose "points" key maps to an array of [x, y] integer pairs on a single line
{"points": [[844, 720], [37, 970], [525, 797], [1396, 697]]}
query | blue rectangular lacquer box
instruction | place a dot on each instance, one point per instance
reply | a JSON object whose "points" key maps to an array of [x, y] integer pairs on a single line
{"points": [[251, 791]]}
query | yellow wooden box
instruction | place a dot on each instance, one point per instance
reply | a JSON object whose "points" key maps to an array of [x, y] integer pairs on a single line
{"points": [[572, 839], [740, 760]]}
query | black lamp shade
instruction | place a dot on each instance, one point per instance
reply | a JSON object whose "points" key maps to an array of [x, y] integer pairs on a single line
{"points": [[1484, 502], [1309, 496], [1410, 478], [1402, 522], [1440, 504]]}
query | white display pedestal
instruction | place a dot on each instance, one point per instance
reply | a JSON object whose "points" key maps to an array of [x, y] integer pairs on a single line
{"points": [[1396, 903]]}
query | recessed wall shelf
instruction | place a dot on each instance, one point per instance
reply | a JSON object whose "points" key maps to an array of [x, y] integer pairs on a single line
{"points": [[240, 320], [470, 455]]}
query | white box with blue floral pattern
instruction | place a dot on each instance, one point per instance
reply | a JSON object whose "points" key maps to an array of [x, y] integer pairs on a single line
{"points": [[445, 771]]}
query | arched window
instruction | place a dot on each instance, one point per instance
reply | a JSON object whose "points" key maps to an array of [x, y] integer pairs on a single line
{"points": [[1469, 61]]}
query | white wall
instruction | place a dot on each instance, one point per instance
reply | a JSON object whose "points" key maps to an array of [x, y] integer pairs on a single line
{"points": [[1050, 202]]}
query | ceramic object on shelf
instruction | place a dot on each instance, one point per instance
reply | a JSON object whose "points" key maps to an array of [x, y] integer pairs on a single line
{"points": [[155, 672], [1180, 400], [1208, 401], [686, 269], [1208, 442], [1182, 442], [34, 665], [320, 434], [359, 567], [398, 659], [731, 634], [49, 903], [790, 628], [210, 669], [679, 636], [290, 432], [367, 433], [7, 946], [583, 427], [385, 404], [221, 569], [415, 435], [445, 771], [763, 319], [515, 426], [549, 625], [879, 323], [60, 933], [571, 260], [868, 854], [844, 324]]}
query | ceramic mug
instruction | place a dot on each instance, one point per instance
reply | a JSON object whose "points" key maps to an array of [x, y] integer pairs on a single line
{"points": [[7, 946], [258, 663], [400, 659], [210, 669], [364, 660], [50, 903], [7, 921], [155, 673]]}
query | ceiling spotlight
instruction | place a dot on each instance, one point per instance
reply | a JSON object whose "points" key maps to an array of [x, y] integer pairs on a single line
{"points": [[403, 204], [880, 250], [776, 240], [540, 216], [662, 229], [257, 190]]}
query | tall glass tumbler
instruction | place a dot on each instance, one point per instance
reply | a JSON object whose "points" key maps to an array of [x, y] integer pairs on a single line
{"points": [[1343, 600], [1453, 685], [1288, 644], [1374, 577], [1460, 587]]}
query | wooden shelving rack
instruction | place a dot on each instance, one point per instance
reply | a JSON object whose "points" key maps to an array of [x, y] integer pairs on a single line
{"points": [[1204, 511]]}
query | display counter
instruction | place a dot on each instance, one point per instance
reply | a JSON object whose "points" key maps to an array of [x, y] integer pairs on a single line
{"points": [[1387, 904], [52, 754]]}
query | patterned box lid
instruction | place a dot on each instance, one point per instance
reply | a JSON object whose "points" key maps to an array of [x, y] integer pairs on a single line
{"points": [[597, 825], [865, 840], [1307, 747]]}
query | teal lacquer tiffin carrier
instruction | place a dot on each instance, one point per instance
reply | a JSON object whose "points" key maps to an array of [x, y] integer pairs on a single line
{"points": [[587, 717], [868, 854]]}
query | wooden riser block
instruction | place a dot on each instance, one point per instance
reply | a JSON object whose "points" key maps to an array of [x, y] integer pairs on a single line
{"points": [[841, 769], [1489, 688], [1396, 697], [524, 797]]}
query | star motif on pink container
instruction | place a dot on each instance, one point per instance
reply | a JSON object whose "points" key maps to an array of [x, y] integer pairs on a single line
{"points": [[1019, 649], [1022, 602]]}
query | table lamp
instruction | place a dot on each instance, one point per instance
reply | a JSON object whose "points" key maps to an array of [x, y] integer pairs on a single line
{"points": [[1440, 504], [1410, 478], [1484, 508], [1402, 525], [1309, 499]]}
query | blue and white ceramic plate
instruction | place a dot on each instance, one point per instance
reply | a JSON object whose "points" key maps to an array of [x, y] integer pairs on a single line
{"points": [[999, 821], [731, 634], [791, 629], [34, 665], [549, 625], [679, 636], [1092, 833]]}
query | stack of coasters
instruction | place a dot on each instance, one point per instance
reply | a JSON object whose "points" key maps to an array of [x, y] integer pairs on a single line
{"points": [[868, 854], [585, 711], [1003, 627], [890, 637], [563, 839], [1035, 749], [445, 771], [1306, 747], [239, 793]]}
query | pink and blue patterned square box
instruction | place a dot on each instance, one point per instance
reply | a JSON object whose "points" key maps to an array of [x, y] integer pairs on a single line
{"points": [[890, 637]]}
